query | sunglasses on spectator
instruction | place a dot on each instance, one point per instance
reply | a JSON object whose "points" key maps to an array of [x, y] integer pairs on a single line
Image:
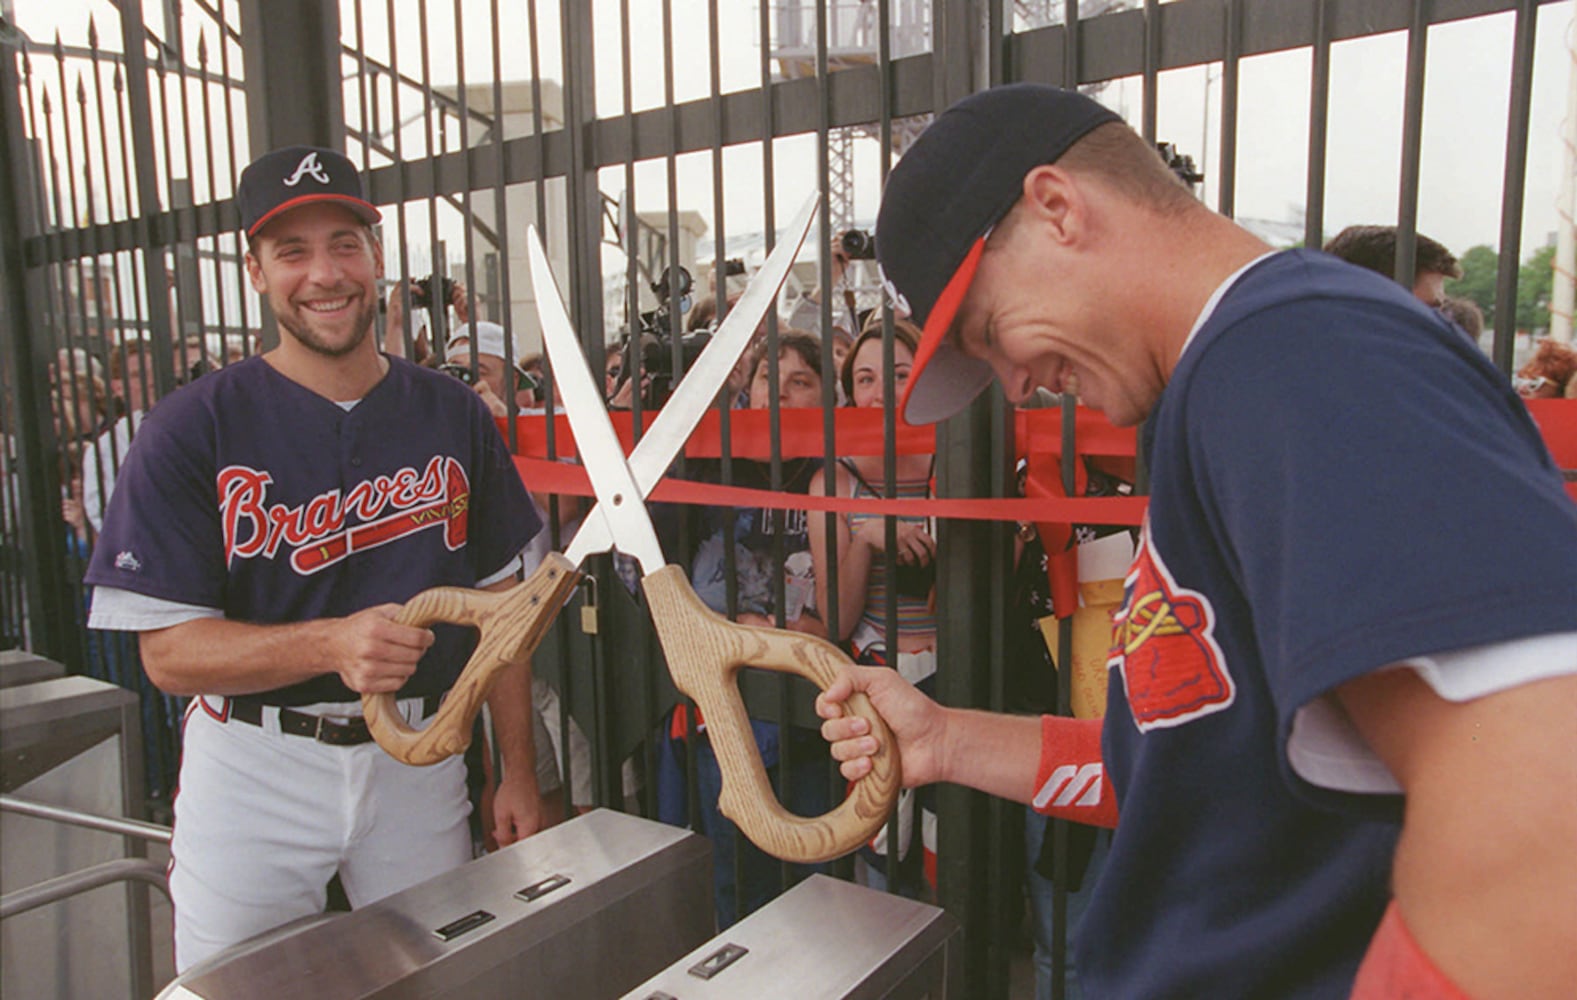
{"points": [[1528, 386]]}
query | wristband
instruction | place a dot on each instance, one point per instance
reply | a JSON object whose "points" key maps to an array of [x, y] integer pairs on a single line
{"points": [[1071, 780], [1396, 968]]}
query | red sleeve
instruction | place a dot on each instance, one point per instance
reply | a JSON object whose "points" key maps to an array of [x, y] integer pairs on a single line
{"points": [[1396, 968]]}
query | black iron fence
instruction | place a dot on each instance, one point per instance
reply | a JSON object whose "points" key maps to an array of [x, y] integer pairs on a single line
{"points": [[638, 136]]}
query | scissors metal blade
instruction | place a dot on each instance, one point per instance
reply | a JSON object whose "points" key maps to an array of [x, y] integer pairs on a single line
{"points": [[618, 497], [697, 390]]}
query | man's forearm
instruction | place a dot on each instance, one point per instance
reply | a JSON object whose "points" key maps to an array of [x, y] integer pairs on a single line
{"points": [[222, 657], [510, 705], [997, 754], [1051, 763]]}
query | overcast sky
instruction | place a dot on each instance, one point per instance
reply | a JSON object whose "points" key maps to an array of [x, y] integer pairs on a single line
{"points": [[1464, 129]]}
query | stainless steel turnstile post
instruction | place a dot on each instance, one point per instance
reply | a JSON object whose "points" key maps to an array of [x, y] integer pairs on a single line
{"points": [[72, 742], [584, 910], [827, 939]]}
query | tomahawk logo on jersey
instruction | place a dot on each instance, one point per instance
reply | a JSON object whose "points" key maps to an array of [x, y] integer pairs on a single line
{"points": [[1164, 644], [317, 531]]}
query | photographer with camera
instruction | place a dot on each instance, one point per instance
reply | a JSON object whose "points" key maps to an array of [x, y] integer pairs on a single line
{"points": [[492, 371], [863, 583], [848, 246], [394, 339], [650, 350]]}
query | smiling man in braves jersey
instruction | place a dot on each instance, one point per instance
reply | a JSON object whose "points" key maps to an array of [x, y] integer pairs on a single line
{"points": [[1343, 680], [267, 525]]}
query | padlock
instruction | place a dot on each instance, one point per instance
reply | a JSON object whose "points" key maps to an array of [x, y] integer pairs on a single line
{"points": [[588, 609]]}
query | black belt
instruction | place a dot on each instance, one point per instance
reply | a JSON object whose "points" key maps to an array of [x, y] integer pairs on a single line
{"points": [[352, 732]]}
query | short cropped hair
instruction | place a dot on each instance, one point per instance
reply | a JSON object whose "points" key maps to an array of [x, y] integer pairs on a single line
{"points": [[1374, 247], [807, 345], [1117, 154]]}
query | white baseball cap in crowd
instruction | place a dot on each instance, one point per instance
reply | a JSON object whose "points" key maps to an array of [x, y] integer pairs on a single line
{"points": [[489, 340]]}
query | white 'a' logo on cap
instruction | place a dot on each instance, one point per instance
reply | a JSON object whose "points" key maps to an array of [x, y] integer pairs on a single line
{"points": [[309, 165]]}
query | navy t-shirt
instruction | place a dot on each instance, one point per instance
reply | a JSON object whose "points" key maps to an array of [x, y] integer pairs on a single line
{"points": [[1339, 481], [250, 493]]}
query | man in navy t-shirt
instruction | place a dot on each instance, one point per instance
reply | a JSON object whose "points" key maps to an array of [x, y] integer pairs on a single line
{"points": [[1343, 680], [268, 523]]}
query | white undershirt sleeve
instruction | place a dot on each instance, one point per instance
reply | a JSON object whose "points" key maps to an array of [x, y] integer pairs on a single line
{"points": [[119, 610], [1326, 749]]}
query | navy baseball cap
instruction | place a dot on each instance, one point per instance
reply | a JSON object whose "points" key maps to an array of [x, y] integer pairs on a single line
{"points": [[964, 173], [296, 175]]}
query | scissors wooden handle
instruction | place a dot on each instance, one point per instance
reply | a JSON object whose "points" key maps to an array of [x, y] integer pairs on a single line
{"points": [[511, 623], [705, 652]]}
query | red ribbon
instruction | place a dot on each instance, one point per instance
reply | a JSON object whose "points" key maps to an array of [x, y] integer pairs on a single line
{"points": [[856, 431], [1557, 420], [862, 431], [571, 480]]}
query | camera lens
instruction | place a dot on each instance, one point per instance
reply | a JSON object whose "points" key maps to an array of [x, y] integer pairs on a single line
{"points": [[858, 244]]}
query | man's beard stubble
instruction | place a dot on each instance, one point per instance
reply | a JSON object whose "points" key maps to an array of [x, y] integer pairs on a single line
{"points": [[309, 338]]}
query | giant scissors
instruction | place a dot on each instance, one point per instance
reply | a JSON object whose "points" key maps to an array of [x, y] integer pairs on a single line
{"points": [[704, 650]]}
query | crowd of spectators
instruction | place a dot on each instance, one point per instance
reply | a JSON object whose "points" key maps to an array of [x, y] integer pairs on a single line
{"points": [[762, 566]]}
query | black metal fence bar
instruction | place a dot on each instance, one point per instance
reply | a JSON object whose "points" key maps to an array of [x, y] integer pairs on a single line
{"points": [[1412, 143], [1319, 126], [1226, 171], [1514, 185]]}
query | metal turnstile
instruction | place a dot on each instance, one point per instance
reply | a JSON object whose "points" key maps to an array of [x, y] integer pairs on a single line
{"points": [[73, 742], [18, 666], [583, 910], [823, 938]]}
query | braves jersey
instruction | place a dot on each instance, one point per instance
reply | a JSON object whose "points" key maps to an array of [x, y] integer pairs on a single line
{"points": [[252, 494], [1340, 481]]}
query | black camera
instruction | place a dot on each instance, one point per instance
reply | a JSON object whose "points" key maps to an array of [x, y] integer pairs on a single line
{"points": [[858, 244], [461, 372], [1180, 164], [659, 332], [422, 292], [658, 370], [733, 265]]}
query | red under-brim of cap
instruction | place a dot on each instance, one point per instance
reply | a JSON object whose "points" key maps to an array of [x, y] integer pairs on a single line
{"points": [[365, 211], [943, 380]]}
